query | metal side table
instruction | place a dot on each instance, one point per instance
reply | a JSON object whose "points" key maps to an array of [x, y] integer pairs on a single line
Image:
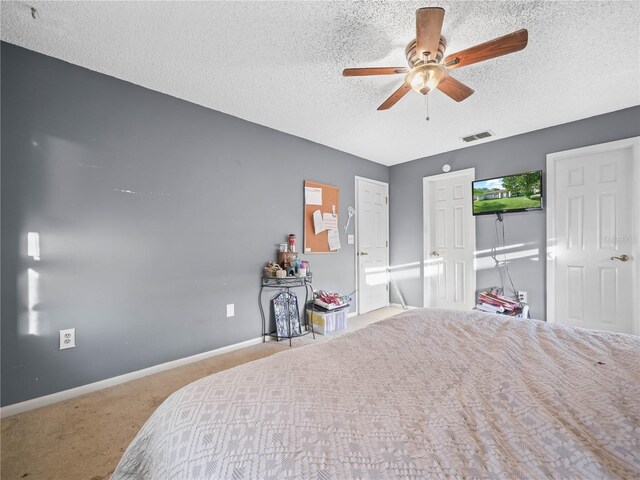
{"points": [[285, 285]]}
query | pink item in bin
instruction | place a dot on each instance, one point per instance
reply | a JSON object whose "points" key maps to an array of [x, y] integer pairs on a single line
{"points": [[331, 301]]}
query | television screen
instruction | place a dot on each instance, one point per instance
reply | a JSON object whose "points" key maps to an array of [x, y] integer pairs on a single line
{"points": [[512, 193]]}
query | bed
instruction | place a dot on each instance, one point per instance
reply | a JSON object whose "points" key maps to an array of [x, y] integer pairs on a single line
{"points": [[424, 394]]}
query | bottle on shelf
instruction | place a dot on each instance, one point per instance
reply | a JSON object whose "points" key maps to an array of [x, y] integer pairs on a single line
{"points": [[292, 242]]}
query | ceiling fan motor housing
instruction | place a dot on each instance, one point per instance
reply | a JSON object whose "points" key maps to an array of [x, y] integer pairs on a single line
{"points": [[414, 58]]}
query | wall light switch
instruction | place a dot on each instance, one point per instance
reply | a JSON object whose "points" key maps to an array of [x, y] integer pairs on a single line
{"points": [[350, 239], [231, 310]]}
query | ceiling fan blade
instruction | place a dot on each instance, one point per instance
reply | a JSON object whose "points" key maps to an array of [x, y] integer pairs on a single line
{"points": [[428, 27], [360, 72], [395, 96], [497, 47], [454, 88]]}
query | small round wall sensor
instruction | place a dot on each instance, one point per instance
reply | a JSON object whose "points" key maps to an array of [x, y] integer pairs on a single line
{"points": [[446, 168]]}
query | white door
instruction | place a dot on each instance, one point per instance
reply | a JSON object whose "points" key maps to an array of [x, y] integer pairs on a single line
{"points": [[449, 241], [592, 228], [372, 244]]}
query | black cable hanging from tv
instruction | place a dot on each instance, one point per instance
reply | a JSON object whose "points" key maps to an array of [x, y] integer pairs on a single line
{"points": [[500, 264]]}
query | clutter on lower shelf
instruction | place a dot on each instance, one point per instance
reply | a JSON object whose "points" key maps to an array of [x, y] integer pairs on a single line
{"points": [[493, 301]]}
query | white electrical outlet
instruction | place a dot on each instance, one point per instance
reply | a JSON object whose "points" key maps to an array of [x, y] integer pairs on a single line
{"points": [[350, 239], [67, 338], [231, 310], [522, 296]]}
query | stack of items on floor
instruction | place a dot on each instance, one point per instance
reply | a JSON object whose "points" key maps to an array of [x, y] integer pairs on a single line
{"points": [[493, 301], [328, 313]]}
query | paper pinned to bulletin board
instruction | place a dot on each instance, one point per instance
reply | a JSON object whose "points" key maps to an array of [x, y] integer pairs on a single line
{"points": [[326, 200]]}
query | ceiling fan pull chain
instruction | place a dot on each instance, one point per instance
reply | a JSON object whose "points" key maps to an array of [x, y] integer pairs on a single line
{"points": [[426, 102]]}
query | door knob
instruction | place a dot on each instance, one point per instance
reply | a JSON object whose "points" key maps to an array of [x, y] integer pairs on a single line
{"points": [[363, 253], [435, 254], [622, 258]]}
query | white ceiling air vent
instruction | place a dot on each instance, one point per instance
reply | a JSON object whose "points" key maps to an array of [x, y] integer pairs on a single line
{"points": [[477, 136]]}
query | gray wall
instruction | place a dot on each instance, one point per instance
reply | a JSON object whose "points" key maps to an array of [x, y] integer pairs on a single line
{"points": [[511, 155], [153, 214]]}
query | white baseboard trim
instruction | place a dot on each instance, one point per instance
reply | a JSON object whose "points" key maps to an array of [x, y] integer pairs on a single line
{"points": [[352, 314], [397, 305], [34, 403]]}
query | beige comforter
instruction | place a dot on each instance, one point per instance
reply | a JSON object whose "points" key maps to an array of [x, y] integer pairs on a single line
{"points": [[426, 394]]}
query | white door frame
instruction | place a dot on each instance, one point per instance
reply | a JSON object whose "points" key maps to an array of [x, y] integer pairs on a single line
{"points": [[357, 241], [426, 196], [552, 160]]}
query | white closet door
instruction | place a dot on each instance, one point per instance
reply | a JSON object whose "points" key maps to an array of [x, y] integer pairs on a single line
{"points": [[449, 240], [594, 219]]}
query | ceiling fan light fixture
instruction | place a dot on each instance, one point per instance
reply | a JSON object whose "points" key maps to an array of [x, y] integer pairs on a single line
{"points": [[425, 78]]}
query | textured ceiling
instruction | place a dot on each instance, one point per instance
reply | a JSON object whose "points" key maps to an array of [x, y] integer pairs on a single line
{"points": [[279, 64]]}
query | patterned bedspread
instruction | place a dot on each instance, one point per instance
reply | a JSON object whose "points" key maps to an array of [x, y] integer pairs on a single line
{"points": [[425, 394]]}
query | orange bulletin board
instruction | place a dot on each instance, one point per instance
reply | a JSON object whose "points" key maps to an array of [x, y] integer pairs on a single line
{"points": [[330, 200]]}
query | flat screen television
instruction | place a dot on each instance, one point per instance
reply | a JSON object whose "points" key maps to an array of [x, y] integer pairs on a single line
{"points": [[512, 193]]}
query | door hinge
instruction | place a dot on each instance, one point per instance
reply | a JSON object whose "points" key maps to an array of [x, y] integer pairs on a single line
{"points": [[386, 199], [386, 243]]}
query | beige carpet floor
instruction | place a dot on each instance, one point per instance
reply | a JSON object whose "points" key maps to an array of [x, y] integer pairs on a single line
{"points": [[85, 437]]}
